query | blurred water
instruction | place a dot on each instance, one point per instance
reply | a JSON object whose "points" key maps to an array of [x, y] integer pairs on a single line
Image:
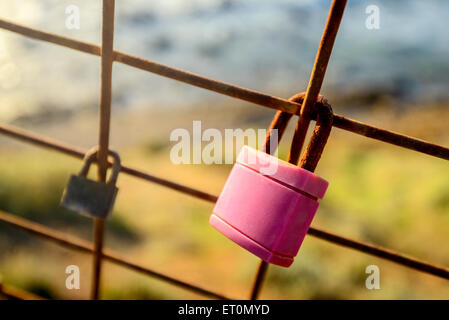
{"points": [[265, 45]]}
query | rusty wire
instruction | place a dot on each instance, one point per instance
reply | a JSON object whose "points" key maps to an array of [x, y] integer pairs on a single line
{"points": [[107, 44], [285, 110], [32, 138], [380, 252], [308, 101], [75, 243], [232, 90], [13, 293], [318, 72]]}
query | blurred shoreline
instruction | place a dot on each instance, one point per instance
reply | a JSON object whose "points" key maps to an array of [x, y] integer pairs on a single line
{"points": [[264, 45]]}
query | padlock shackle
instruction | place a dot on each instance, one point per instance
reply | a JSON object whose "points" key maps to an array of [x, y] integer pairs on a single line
{"points": [[318, 140], [324, 122], [279, 123], [91, 156]]}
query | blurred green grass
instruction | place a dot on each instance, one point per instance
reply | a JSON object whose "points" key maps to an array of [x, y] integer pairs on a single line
{"points": [[378, 193]]}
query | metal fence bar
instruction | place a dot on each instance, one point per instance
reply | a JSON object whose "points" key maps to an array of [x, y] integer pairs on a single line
{"points": [[318, 72], [108, 56], [107, 43], [233, 91], [13, 293], [48, 143], [36, 34], [75, 243], [381, 252], [259, 279], [313, 90], [391, 137], [316, 232]]}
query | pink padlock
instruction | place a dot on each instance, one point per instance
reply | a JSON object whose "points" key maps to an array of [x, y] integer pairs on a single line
{"points": [[267, 205]]}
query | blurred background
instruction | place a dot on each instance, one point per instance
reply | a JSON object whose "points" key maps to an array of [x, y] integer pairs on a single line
{"points": [[396, 77]]}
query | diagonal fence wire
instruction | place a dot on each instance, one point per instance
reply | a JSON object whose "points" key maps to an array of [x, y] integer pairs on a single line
{"points": [[75, 243], [316, 232], [233, 91], [13, 293], [108, 56], [361, 246]]}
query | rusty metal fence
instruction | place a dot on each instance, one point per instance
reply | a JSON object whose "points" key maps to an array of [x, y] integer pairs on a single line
{"points": [[304, 111]]}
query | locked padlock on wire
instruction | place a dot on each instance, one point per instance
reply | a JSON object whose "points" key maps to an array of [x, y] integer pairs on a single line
{"points": [[88, 197], [270, 214]]}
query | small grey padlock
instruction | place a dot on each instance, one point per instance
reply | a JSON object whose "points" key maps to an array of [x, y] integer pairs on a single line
{"points": [[88, 197]]}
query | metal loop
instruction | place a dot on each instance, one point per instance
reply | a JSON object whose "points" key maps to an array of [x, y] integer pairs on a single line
{"points": [[280, 122], [324, 124], [319, 137], [91, 156], [302, 126]]}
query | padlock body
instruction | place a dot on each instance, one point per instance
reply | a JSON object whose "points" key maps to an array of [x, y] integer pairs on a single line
{"points": [[88, 197], [267, 214]]}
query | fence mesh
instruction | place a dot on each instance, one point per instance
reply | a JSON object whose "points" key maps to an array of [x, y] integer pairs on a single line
{"points": [[108, 57]]}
